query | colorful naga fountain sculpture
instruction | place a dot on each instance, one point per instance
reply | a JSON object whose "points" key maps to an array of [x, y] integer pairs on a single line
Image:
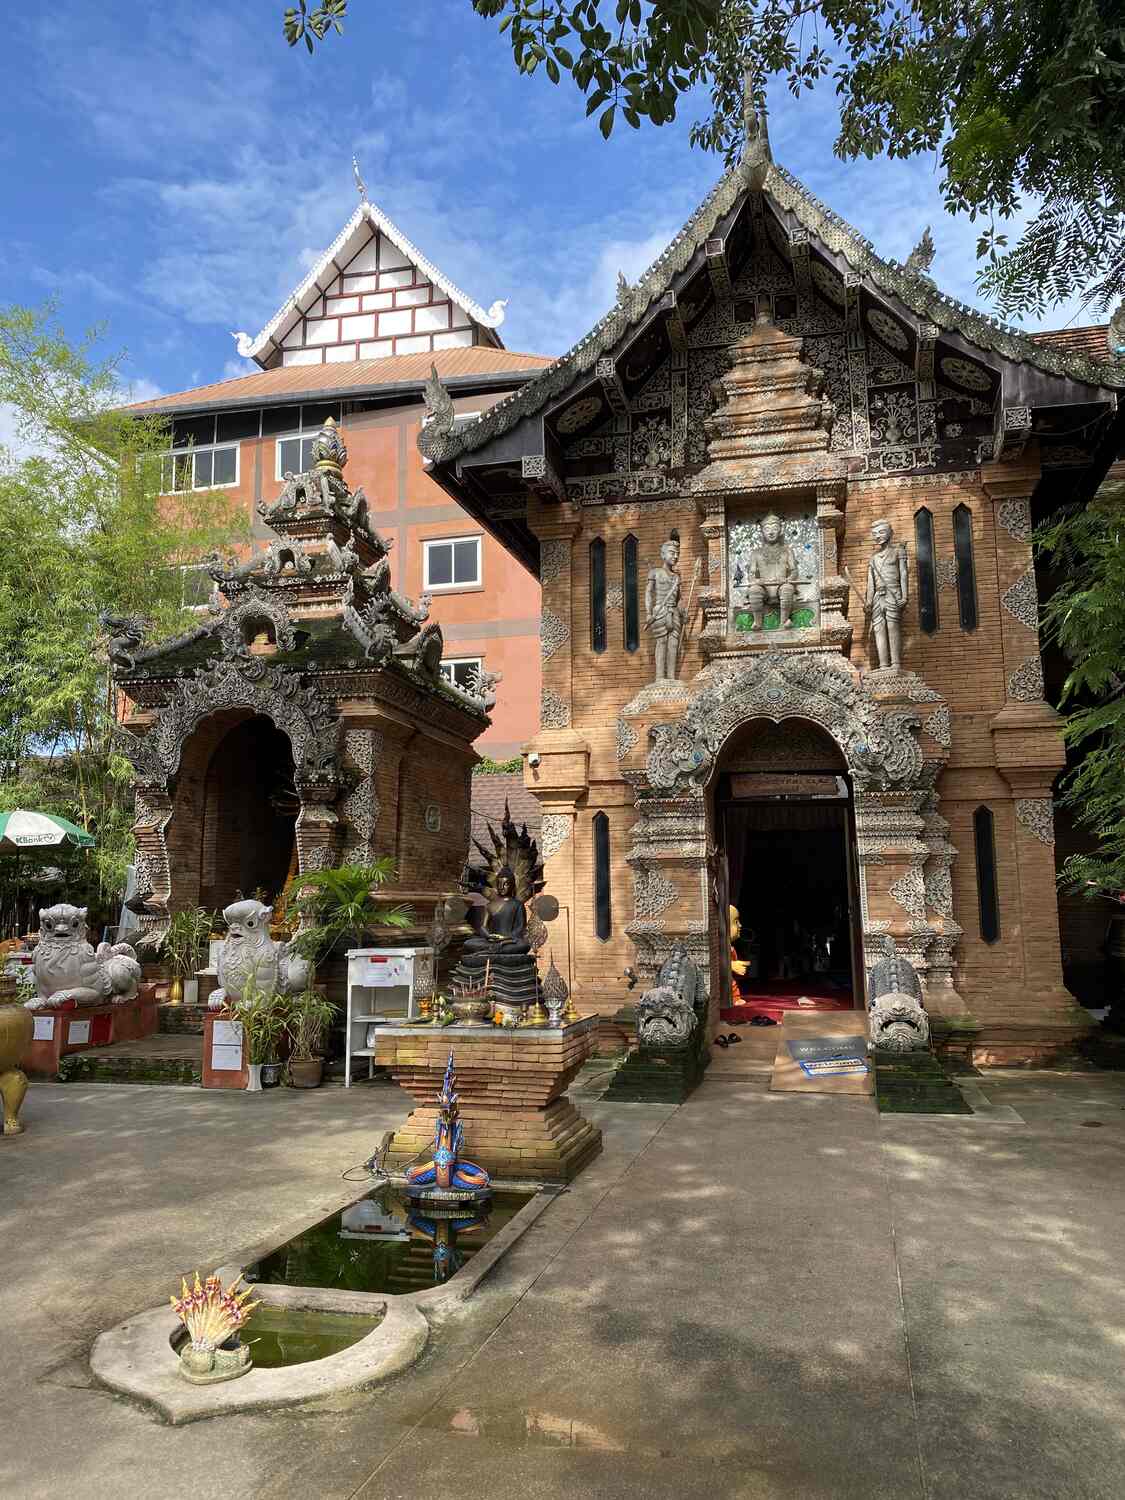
{"points": [[446, 1175]]}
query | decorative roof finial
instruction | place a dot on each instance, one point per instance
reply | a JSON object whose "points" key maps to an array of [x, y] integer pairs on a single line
{"points": [[756, 153], [360, 185], [921, 257], [624, 290], [329, 453]]}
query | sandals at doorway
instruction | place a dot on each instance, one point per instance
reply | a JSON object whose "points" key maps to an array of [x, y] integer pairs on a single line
{"points": [[725, 1041]]}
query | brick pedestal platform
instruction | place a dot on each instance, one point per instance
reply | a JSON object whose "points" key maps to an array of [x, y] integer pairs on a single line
{"points": [[512, 1086]]}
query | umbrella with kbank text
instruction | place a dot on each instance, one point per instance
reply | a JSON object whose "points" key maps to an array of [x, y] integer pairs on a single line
{"points": [[36, 830]]}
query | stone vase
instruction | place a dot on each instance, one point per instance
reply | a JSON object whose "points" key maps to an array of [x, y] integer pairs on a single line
{"points": [[209, 1366], [253, 1078], [16, 1027]]}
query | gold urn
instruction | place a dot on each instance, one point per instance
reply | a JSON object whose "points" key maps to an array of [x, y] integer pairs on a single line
{"points": [[16, 1027]]}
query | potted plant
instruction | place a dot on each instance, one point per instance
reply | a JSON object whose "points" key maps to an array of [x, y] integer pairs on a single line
{"points": [[310, 1016], [341, 903], [185, 946], [264, 1017]]}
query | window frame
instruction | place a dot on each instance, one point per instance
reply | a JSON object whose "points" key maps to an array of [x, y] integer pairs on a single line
{"points": [[987, 873], [450, 541], [190, 452], [303, 436], [459, 661], [602, 851]]}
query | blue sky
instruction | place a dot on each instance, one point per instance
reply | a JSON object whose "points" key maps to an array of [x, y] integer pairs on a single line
{"points": [[171, 171]]}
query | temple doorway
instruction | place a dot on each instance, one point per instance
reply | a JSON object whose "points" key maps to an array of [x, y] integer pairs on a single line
{"points": [[250, 807], [785, 817]]}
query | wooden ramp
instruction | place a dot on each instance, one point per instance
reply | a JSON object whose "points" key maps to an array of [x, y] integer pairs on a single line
{"points": [[829, 1055]]}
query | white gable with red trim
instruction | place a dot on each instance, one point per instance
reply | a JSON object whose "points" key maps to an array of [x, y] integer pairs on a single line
{"points": [[372, 294]]}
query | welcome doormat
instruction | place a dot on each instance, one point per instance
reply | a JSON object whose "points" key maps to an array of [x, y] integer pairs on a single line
{"points": [[823, 1054]]}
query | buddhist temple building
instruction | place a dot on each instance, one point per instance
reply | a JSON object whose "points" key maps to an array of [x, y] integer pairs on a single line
{"points": [[780, 502], [356, 342]]}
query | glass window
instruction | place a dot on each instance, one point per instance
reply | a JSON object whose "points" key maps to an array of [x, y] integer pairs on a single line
{"points": [[927, 575], [603, 905], [294, 454], [198, 469], [966, 569], [597, 595], [984, 839], [451, 564], [632, 604], [461, 670]]}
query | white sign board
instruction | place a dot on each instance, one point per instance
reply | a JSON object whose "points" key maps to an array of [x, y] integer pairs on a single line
{"points": [[77, 1033], [226, 1046], [384, 973], [44, 1029]]}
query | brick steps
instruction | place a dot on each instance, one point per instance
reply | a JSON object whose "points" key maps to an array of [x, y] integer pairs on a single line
{"points": [[162, 1058]]}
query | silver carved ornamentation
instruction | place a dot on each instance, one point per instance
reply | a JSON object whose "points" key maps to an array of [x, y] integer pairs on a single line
{"points": [[626, 738], [909, 891], [615, 597], [945, 572], [554, 711], [554, 633], [939, 726], [555, 830], [1025, 685], [1021, 600], [1037, 814], [879, 745], [1015, 517], [554, 557], [361, 807], [939, 891], [653, 893]]}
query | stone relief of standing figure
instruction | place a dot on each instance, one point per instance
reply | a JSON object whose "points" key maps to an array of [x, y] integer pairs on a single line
{"points": [[664, 616], [886, 594]]}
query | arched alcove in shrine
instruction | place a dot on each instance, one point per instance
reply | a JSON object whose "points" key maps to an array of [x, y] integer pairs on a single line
{"points": [[784, 821], [249, 807]]}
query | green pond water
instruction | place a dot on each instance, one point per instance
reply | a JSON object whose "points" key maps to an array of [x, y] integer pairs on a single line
{"points": [[293, 1336], [385, 1243]]}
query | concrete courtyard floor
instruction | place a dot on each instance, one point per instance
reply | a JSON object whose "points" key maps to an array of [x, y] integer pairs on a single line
{"points": [[754, 1295]]}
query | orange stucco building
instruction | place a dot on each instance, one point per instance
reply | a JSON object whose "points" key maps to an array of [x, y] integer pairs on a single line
{"points": [[356, 341]]}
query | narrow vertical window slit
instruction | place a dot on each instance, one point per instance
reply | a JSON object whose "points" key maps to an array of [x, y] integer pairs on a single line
{"points": [[603, 905], [597, 595], [927, 573], [984, 839], [966, 571], [631, 603]]}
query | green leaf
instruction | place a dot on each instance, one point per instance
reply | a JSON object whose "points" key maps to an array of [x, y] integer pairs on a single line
{"points": [[605, 123]]}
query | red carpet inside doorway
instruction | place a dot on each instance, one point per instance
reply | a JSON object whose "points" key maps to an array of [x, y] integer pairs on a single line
{"points": [[775, 997]]}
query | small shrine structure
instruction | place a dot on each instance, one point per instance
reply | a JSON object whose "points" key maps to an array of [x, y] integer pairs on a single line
{"points": [[303, 722], [780, 499]]}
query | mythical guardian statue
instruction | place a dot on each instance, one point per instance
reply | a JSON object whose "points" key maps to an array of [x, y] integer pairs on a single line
{"points": [[69, 972], [897, 1021], [668, 1014], [249, 953]]}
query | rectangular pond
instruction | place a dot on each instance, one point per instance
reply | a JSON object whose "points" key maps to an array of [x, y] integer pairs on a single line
{"points": [[386, 1243]]}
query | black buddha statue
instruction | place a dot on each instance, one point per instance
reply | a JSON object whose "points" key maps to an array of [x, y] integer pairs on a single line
{"points": [[498, 954]]}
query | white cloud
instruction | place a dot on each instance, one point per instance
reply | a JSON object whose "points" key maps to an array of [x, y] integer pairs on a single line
{"points": [[15, 444]]}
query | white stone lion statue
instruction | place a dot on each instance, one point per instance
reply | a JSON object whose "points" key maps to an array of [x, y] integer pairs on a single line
{"points": [[69, 972], [248, 952]]}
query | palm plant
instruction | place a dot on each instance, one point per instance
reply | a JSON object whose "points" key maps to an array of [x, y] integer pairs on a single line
{"points": [[185, 943], [310, 1016], [265, 1021], [342, 900]]}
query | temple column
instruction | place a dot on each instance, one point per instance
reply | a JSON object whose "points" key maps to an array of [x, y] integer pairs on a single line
{"points": [[1029, 751]]}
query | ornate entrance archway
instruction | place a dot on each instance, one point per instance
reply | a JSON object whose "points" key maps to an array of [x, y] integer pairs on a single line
{"points": [[892, 732], [172, 763]]}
